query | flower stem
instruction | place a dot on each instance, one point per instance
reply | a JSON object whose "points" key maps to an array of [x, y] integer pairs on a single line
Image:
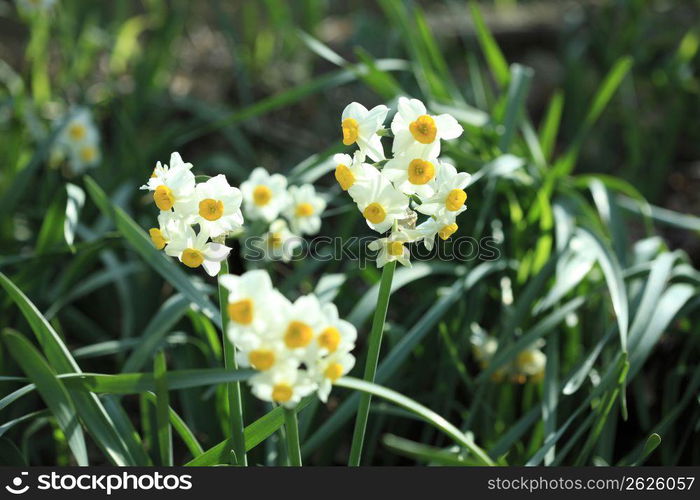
{"points": [[291, 426], [375, 343], [233, 389]]}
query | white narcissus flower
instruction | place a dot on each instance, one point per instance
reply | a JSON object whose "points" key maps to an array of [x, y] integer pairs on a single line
{"points": [[380, 203], [444, 227], [360, 127], [217, 206], [329, 369], [258, 352], [264, 195], [412, 172], [169, 227], [301, 324], [449, 197], [279, 242], [412, 125], [172, 186], [351, 171], [284, 384], [336, 334], [252, 301], [193, 250], [392, 249], [304, 209]]}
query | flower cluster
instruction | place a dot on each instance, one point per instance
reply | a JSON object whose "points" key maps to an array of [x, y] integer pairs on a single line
{"points": [[290, 211], [78, 140], [414, 180], [297, 347], [528, 365], [214, 206]]}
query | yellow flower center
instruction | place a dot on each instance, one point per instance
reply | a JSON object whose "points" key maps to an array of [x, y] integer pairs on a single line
{"points": [[274, 240], [333, 371], [448, 231], [211, 209], [164, 198], [395, 248], [423, 129], [455, 199], [281, 393], [525, 358], [241, 311], [420, 171], [374, 213], [329, 339], [88, 154], [77, 131], [192, 257], [261, 359], [304, 210], [351, 131], [157, 238], [298, 334], [344, 177], [262, 195]]}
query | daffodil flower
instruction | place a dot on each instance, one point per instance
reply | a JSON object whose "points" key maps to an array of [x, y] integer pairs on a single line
{"points": [[169, 228], [172, 186], [412, 172], [304, 209], [380, 203], [449, 197], [279, 243], [251, 301], [264, 195], [392, 249], [302, 322], [194, 251], [329, 369], [444, 227], [412, 126], [352, 171], [217, 206], [79, 140], [360, 126], [284, 384]]}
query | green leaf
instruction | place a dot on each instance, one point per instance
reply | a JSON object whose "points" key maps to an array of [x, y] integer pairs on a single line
{"points": [[425, 453], [520, 79], [421, 411], [254, 434], [492, 52], [140, 242], [88, 406], [51, 390], [165, 438], [550, 124]]}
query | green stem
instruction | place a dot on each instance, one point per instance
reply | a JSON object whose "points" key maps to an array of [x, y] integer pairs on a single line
{"points": [[235, 405], [291, 427], [375, 343]]}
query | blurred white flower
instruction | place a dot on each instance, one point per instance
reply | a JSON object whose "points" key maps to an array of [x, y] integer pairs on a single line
{"points": [[79, 140], [305, 209], [284, 384], [264, 195], [251, 298], [360, 127], [279, 243], [329, 369], [413, 126]]}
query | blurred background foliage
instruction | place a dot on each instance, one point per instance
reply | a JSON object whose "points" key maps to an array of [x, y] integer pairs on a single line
{"points": [[576, 114]]}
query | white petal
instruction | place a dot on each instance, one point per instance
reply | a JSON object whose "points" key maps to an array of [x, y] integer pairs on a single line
{"points": [[447, 126]]}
